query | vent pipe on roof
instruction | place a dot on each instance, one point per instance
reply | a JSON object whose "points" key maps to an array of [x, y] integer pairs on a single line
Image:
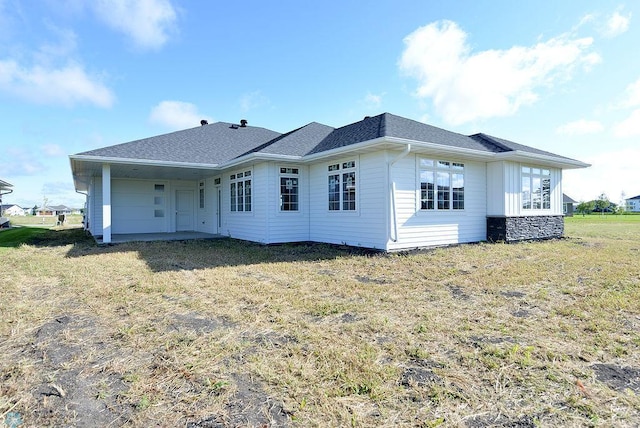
{"points": [[204, 122], [243, 123]]}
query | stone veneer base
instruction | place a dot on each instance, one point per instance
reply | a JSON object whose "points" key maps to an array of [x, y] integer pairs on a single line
{"points": [[511, 229]]}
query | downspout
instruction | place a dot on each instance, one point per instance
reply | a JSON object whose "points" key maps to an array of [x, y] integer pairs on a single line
{"points": [[394, 237]]}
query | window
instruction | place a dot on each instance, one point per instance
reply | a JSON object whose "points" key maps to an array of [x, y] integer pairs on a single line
{"points": [[158, 201], [289, 189], [240, 191], [441, 185], [201, 194], [342, 186], [536, 188]]}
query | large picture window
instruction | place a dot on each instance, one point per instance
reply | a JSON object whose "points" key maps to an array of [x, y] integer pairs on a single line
{"points": [[240, 191], [342, 186], [536, 188], [289, 189], [441, 185]]}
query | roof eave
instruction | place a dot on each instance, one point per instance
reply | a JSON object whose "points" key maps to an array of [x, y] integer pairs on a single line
{"points": [[146, 162], [553, 161]]}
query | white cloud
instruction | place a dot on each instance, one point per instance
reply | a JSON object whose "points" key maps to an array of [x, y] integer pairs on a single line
{"points": [[464, 86], [372, 101], [253, 100], [51, 150], [616, 24], [43, 84], [580, 127], [631, 97], [177, 115], [629, 127], [20, 162], [149, 23]]}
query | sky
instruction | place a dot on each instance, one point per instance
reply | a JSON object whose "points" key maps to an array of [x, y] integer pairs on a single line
{"points": [[75, 75]]}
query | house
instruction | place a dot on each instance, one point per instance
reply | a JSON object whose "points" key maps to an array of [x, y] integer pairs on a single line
{"points": [[53, 210], [633, 204], [567, 205], [384, 182], [5, 189], [13, 210]]}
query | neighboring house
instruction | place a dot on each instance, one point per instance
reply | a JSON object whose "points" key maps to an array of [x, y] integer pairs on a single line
{"points": [[53, 210], [568, 205], [384, 182], [633, 204], [14, 210], [5, 189]]}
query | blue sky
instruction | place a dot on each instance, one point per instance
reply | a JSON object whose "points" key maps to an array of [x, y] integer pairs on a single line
{"points": [[562, 76]]}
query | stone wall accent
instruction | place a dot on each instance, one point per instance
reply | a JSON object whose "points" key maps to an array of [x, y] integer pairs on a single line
{"points": [[511, 229]]}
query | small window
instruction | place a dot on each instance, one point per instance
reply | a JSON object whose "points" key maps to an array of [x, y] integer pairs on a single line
{"points": [[159, 188], [201, 194], [216, 181], [158, 213], [158, 200]]}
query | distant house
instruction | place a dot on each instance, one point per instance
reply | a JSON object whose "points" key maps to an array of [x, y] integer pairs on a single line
{"points": [[568, 205], [384, 182], [633, 204], [53, 210], [14, 210]]}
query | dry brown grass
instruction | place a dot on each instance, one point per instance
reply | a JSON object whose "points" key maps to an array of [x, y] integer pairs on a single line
{"points": [[227, 333]]}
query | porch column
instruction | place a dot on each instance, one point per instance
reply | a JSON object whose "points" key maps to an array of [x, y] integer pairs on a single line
{"points": [[106, 203]]}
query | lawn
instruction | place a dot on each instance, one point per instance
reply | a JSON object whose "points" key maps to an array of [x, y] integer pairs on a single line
{"points": [[228, 333]]}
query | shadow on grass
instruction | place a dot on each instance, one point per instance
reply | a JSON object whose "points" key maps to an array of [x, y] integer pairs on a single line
{"points": [[180, 255]]}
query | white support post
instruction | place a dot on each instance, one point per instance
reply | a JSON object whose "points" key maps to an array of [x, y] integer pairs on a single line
{"points": [[106, 203]]}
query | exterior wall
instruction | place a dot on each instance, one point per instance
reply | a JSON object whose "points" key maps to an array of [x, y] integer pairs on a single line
{"points": [[287, 226], [511, 229], [252, 225], [364, 227], [423, 228], [633, 205]]}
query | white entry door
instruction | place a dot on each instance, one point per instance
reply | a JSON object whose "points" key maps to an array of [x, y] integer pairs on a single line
{"points": [[184, 210]]}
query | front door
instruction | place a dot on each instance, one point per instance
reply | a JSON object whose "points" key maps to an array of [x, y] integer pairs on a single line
{"points": [[184, 210]]}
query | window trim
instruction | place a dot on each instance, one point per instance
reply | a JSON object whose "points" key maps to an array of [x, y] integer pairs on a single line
{"points": [[292, 172], [438, 168], [532, 172], [238, 180], [341, 169]]}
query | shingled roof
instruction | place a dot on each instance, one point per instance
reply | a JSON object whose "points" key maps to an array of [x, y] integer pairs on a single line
{"points": [[221, 142]]}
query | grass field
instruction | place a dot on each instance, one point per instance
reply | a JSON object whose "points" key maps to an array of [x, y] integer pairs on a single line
{"points": [[228, 333]]}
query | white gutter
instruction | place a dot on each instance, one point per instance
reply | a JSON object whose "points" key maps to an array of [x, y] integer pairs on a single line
{"points": [[101, 159], [392, 184]]}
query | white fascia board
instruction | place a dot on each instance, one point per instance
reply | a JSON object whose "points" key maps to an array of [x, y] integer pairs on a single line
{"points": [[554, 161], [258, 157], [146, 162]]}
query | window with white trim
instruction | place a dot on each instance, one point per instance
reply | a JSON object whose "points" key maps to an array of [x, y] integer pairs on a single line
{"points": [[240, 191], [536, 188], [441, 185], [289, 195], [342, 186], [201, 194]]}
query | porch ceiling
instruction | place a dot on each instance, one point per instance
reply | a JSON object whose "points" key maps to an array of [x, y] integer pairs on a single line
{"points": [[83, 171]]}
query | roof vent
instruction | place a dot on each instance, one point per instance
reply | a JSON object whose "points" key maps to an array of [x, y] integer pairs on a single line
{"points": [[234, 126], [204, 122], [243, 123], [367, 117]]}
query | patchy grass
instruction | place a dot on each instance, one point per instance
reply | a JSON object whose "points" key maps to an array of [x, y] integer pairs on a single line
{"points": [[228, 333]]}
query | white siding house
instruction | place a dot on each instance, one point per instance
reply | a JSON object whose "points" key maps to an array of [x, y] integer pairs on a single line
{"points": [[385, 182]]}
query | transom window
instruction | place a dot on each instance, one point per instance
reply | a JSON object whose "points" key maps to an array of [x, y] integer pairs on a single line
{"points": [[240, 191], [342, 186], [289, 189], [201, 194], [536, 188], [441, 185]]}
